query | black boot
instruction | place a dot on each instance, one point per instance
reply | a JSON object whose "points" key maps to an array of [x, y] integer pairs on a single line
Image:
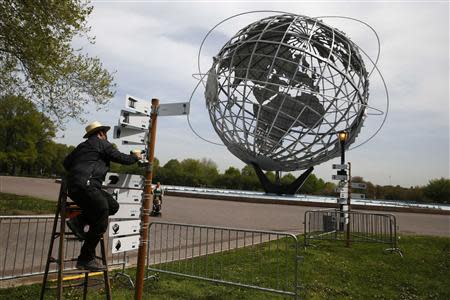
{"points": [[76, 225], [91, 265]]}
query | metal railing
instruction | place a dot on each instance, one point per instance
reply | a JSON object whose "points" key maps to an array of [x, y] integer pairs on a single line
{"points": [[24, 244], [364, 227], [221, 254]]}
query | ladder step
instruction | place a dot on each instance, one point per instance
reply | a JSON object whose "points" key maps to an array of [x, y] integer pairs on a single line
{"points": [[65, 286], [82, 275], [72, 285], [76, 271], [70, 236], [54, 260]]}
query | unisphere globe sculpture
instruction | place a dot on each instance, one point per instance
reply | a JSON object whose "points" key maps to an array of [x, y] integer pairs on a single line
{"points": [[281, 89]]}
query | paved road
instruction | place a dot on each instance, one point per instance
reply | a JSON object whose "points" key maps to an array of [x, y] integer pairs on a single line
{"points": [[233, 214], [37, 187]]}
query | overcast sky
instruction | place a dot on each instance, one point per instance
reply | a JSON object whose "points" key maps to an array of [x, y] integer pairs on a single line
{"points": [[153, 48]]}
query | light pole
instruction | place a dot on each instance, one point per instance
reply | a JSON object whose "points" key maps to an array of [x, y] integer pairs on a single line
{"points": [[343, 137]]}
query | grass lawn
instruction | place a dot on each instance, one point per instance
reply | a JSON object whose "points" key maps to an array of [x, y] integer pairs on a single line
{"points": [[11, 204], [329, 271]]}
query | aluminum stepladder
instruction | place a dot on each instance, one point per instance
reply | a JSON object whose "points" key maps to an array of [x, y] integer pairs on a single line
{"points": [[64, 210]]}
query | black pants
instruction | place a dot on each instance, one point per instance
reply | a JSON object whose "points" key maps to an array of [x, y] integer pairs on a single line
{"points": [[96, 206]]}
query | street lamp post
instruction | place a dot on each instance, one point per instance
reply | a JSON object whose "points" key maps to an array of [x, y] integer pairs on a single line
{"points": [[343, 137]]}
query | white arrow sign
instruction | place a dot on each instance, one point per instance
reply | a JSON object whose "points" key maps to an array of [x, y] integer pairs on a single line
{"points": [[342, 200], [173, 109], [138, 105], [133, 120], [130, 136], [358, 196], [124, 181], [120, 228], [127, 211], [340, 167], [341, 189], [339, 177], [359, 185], [123, 244]]}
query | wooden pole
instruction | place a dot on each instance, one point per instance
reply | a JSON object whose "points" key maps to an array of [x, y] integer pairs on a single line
{"points": [[145, 214]]}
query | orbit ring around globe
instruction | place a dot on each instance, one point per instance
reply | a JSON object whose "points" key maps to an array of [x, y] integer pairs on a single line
{"points": [[281, 88]]}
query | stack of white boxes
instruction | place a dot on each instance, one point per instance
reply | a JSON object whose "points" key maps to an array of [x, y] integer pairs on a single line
{"points": [[125, 224]]}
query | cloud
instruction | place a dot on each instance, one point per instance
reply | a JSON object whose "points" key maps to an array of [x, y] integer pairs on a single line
{"points": [[154, 46]]}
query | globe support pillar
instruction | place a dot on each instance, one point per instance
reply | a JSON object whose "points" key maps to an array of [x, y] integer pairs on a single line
{"points": [[278, 188]]}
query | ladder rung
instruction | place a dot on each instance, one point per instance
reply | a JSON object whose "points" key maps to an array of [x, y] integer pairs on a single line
{"points": [[73, 238], [74, 277], [57, 234], [78, 271], [65, 286], [54, 260]]}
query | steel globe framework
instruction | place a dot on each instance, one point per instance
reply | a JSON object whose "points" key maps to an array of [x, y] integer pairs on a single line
{"points": [[281, 89]]}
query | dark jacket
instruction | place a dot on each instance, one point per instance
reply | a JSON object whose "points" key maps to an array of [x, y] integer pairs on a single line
{"points": [[89, 162]]}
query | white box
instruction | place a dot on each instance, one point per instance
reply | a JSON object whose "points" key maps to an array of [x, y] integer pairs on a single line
{"points": [[127, 211], [126, 195], [134, 120], [138, 105], [121, 228], [124, 181], [127, 243], [130, 136]]}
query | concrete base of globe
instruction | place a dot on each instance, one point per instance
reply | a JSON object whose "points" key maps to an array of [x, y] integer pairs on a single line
{"points": [[278, 188]]}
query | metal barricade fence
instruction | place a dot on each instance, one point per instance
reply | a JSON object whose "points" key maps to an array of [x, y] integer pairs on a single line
{"points": [[262, 260], [24, 244], [364, 227]]}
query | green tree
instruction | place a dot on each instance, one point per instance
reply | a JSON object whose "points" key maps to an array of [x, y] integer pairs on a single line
{"points": [[329, 189], [369, 191], [250, 180], [25, 134], [38, 62], [231, 179], [198, 172], [438, 190], [312, 185], [170, 173], [287, 179], [60, 153]]}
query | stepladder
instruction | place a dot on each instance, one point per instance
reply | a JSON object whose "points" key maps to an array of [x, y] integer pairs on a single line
{"points": [[61, 257]]}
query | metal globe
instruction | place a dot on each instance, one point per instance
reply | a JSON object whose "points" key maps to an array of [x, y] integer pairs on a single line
{"points": [[281, 89]]}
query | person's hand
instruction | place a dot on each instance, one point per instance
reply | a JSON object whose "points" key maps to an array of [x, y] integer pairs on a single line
{"points": [[137, 153]]}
